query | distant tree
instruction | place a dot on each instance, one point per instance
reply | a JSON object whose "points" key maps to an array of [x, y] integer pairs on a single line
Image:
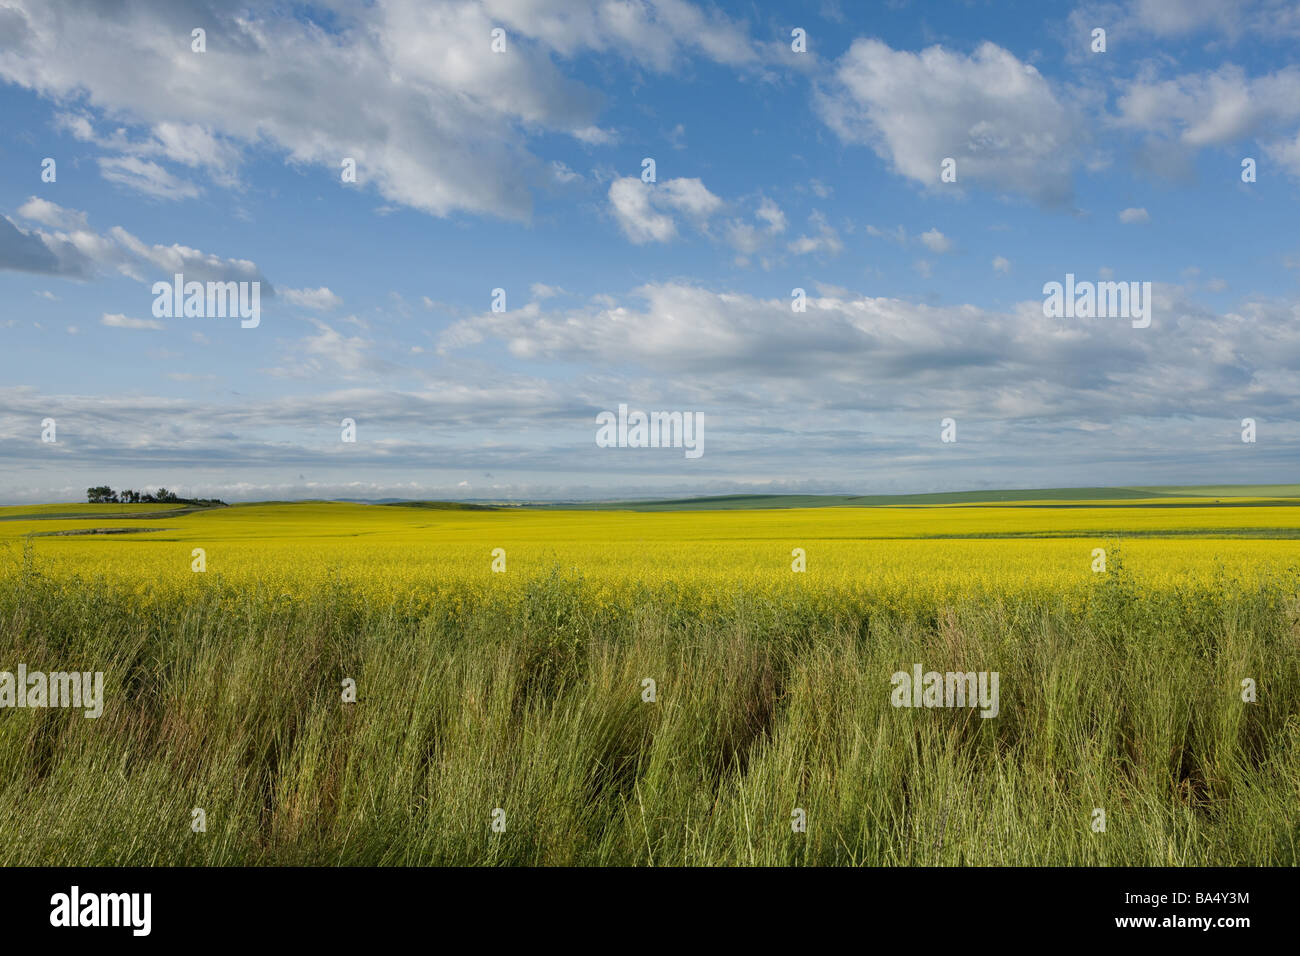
{"points": [[103, 494]]}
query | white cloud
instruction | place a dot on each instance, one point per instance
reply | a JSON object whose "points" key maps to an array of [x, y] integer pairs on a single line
{"points": [[689, 197], [187, 144], [770, 213], [744, 237], [562, 174], [192, 145], [936, 241], [826, 240], [748, 238], [1286, 153], [329, 353], [1212, 108], [645, 210], [117, 320], [321, 299], [994, 114], [1001, 264], [51, 214], [898, 234], [1012, 363], [440, 133], [1134, 215], [145, 176], [83, 253], [1218, 108], [629, 197], [194, 263], [594, 136], [1227, 20], [1173, 17]]}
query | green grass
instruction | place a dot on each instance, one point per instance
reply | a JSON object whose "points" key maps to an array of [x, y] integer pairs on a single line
{"points": [[232, 703], [83, 510]]}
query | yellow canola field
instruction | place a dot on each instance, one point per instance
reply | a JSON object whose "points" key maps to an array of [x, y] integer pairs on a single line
{"points": [[414, 555]]}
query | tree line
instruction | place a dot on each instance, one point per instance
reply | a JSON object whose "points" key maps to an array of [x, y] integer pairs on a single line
{"points": [[104, 495]]}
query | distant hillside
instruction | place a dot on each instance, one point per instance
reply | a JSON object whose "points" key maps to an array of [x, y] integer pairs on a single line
{"points": [[441, 505], [1008, 496]]}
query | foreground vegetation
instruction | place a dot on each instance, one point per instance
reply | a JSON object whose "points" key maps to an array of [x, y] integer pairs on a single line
{"points": [[524, 691]]}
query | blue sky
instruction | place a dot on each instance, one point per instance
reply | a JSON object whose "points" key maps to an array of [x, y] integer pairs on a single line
{"points": [[521, 170]]}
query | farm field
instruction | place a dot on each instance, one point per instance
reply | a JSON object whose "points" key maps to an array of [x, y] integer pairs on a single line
{"points": [[395, 549], [503, 716]]}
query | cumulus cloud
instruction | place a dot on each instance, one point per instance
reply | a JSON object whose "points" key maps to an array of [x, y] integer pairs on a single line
{"points": [[645, 211], [186, 144], [858, 352], [1212, 108], [50, 214], [1221, 107], [936, 241], [629, 198], [439, 133], [74, 250], [1134, 215], [321, 299], [24, 251], [997, 116]]}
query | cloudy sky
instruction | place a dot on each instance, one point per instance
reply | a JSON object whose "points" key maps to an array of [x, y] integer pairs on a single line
{"points": [[522, 170]]}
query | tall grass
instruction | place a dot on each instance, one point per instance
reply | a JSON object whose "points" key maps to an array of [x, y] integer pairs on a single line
{"points": [[232, 704]]}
